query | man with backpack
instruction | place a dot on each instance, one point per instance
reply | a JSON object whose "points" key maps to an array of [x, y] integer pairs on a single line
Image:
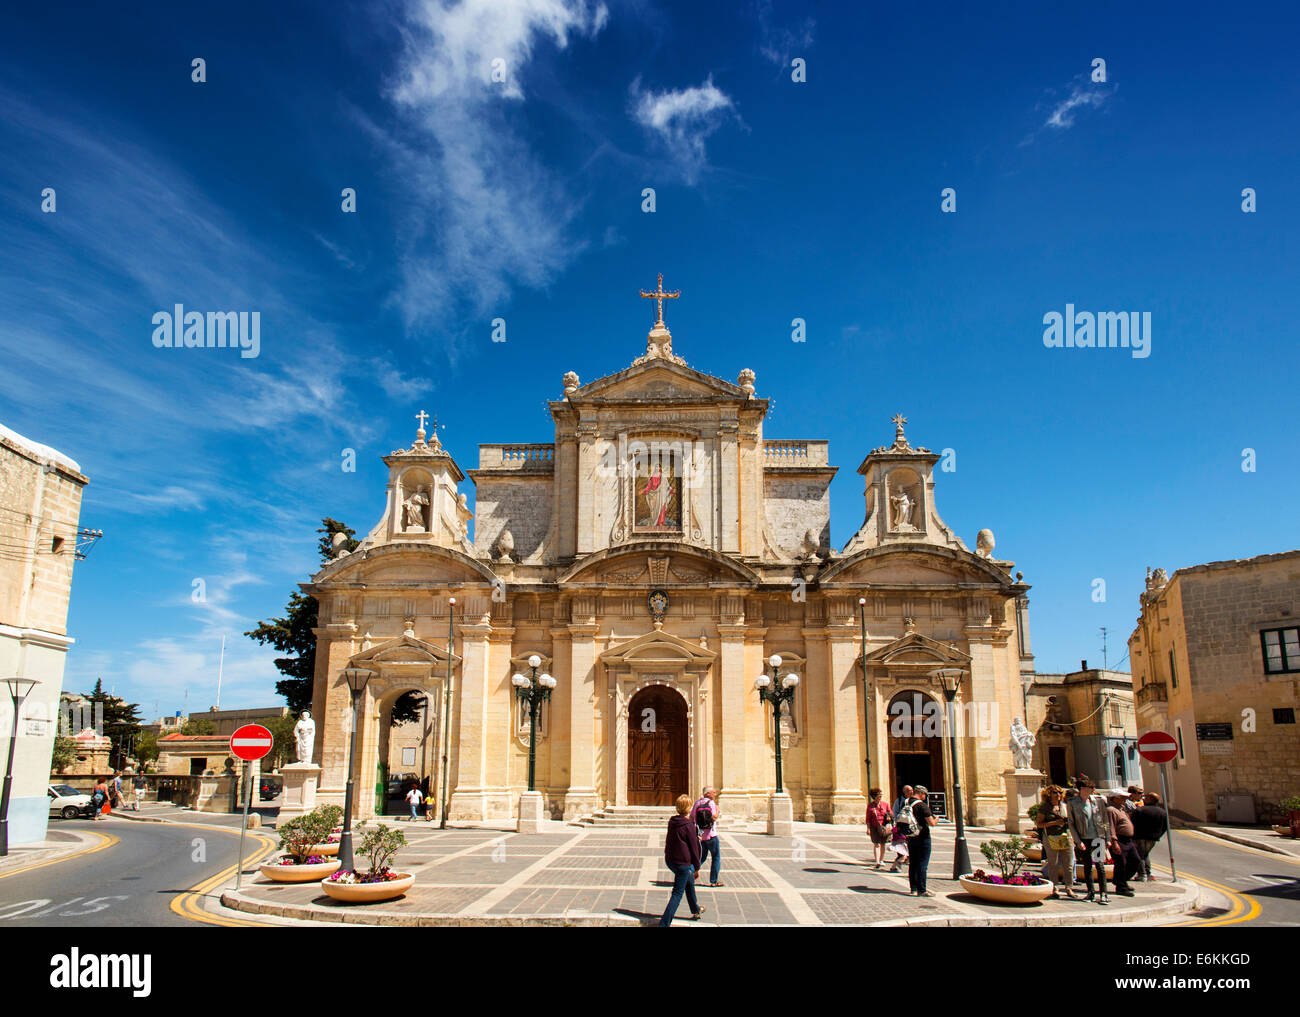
{"points": [[705, 812], [915, 819]]}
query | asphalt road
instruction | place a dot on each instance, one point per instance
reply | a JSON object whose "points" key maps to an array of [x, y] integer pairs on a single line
{"points": [[132, 881], [1243, 886]]}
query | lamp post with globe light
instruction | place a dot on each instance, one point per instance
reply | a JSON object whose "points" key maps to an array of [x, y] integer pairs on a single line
{"points": [[777, 690], [950, 679], [534, 691], [356, 677]]}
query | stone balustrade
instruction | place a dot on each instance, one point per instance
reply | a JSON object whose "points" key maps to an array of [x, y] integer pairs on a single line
{"points": [[789, 452], [516, 457]]}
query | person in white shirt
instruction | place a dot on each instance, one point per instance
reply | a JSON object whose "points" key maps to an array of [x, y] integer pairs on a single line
{"points": [[413, 799]]}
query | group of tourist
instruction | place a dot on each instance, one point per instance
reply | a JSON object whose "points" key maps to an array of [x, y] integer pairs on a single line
{"points": [[903, 829], [692, 837], [1076, 825]]}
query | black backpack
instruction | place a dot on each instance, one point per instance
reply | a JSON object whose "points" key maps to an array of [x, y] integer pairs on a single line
{"points": [[703, 818]]}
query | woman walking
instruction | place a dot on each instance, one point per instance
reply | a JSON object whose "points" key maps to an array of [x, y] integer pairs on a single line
{"points": [[880, 824], [1054, 833], [682, 854]]}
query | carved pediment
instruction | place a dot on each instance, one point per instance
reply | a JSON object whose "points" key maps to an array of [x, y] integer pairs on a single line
{"points": [[659, 563], [404, 650], [403, 565], [918, 565], [659, 647], [658, 380], [919, 651]]}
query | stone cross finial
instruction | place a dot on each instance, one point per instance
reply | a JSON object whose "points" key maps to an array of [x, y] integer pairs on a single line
{"points": [[899, 420], [659, 296]]}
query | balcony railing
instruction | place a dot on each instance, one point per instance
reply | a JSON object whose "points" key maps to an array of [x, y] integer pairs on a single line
{"points": [[516, 457], [787, 452], [1152, 692]]}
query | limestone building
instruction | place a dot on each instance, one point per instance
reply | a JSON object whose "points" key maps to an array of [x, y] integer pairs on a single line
{"points": [[1216, 663], [654, 555], [40, 505], [1084, 722]]}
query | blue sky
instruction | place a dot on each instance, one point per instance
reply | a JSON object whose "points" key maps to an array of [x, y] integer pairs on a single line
{"points": [[521, 199]]}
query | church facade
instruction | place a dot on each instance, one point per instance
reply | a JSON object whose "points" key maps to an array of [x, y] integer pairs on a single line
{"points": [[654, 556]]}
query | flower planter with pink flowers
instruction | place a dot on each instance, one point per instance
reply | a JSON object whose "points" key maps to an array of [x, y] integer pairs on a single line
{"points": [[1016, 889], [380, 881], [287, 870]]}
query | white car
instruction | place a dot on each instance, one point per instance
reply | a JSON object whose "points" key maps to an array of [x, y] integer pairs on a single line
{"points": [[68, 802]]}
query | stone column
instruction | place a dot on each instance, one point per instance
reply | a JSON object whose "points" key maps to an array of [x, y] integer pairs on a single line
{"points": [[729, 469], [732, 688], [469, 797], [580, 799], [848, 800], [331, 705], [982, 766]]}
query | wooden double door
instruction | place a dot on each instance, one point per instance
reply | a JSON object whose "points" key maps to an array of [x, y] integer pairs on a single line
{"points": [[658, 768]]}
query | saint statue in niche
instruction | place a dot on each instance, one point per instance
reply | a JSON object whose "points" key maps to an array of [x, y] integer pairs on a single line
{"points": [[658, 500], [414, 517], [903, 505]]}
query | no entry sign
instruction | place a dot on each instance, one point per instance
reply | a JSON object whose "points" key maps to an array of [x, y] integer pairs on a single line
{"points": [[252, 741], [1157, 747]]}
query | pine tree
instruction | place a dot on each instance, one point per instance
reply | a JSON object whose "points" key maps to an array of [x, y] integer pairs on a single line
{"points": [[121, 723]]}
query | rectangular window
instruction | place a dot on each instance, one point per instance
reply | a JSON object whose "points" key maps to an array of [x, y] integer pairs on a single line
{"points": [[1284, 715], [1173, 672], [1281, 650], [1178, 733], [408, 757]]}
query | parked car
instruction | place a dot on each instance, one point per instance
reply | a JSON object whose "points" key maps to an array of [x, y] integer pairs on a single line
{"points": [[68, 802], [269, 788], [400, 783]]}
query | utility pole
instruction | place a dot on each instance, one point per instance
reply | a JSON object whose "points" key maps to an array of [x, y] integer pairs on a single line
{"points": [[1104, 661], [221, 666]]}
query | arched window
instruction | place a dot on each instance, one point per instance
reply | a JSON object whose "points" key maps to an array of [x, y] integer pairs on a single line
{"points": [[1119, 763]]}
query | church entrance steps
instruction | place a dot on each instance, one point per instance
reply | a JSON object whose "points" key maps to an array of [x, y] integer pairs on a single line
{"points": [[630, 816]]}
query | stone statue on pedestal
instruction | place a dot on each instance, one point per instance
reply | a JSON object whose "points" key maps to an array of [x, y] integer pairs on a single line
{"points": [[1022, 745], [304, 736]]}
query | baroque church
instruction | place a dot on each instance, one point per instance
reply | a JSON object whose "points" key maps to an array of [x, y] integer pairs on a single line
{"points": [[654, 556]]}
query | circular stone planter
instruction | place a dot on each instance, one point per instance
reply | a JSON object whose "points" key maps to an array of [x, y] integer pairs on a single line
{"points": [[298, 873], [329, 850], [1282, 831], [1000, 893], [368, 893], [1079, 877], [1033, 852]]}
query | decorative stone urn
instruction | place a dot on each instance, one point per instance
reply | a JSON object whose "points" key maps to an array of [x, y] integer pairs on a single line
{"points": [[298, 873], [369, 893], [1003, 893]]}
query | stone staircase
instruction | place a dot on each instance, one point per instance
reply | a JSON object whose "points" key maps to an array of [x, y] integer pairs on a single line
{"points": [[655, 816]]}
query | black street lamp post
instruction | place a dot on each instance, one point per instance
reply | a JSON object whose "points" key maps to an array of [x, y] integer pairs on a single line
{"points": [[534, 691], [950, 679], [777, 690], [446, 711], [866, 708], [357, 677], [19, 688]]}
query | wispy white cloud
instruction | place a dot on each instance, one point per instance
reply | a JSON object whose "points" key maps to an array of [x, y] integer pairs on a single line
{"points": [[780, 43], [1084, 94], [682, 119], [487, 215]]}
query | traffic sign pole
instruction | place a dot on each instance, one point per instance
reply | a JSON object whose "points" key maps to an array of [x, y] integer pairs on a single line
{"points": [[248, 787], [1169, 825], [250, 742]]}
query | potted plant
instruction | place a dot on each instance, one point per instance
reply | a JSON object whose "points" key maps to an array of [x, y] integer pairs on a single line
{"points": [[1010, 886], [1291, 806], [300, 840], [380, 881]]}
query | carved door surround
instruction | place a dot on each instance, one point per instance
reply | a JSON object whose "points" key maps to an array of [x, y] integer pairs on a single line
{"points": [[656, 659]]}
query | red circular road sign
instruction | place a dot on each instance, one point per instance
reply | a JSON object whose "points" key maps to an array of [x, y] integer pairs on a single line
{"points": [[1157, 747], [252, 741]]}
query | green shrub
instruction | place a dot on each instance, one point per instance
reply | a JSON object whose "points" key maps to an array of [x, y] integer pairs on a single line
{"points": [[380, 845], [1291, 804], [1005, 854], [298, 836]]}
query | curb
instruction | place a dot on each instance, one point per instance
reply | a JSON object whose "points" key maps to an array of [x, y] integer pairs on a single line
{"points": [[18, 864], [1189, 901], [242, 902], [238, 901], [1232, 838]]}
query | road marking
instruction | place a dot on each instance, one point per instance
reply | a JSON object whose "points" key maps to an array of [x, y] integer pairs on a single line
{"points": [[105, 840], [187, 904], [1244, 908]]}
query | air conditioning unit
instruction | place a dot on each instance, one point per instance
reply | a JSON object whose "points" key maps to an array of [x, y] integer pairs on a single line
{"points": [[1235, 807]]}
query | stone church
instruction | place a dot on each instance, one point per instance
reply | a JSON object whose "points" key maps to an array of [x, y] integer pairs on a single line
{"points": [[655, 555]]}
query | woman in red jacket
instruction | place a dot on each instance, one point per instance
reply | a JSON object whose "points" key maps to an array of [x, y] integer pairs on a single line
{"points": [[682, 853]]}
